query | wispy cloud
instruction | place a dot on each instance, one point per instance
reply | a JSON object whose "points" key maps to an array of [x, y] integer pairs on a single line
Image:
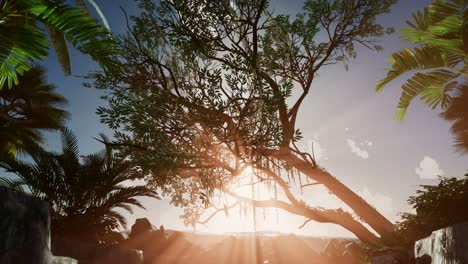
{"points": [[429, 168], [356, 149]]}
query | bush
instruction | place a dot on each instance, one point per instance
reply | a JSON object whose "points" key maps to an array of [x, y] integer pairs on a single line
{"points": [[437, 206]]}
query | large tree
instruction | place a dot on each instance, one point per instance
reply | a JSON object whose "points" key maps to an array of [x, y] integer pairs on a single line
{"points": [[23, 40], [207, 90], [437, 64], [83, 191]]}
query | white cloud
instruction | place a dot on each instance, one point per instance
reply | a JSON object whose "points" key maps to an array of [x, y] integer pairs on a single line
{"points": [[355, 149], [346, 129], [429, 168], [369, 143]]}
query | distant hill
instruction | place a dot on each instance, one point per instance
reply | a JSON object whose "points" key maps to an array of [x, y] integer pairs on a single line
{"points": [[206, 240]]}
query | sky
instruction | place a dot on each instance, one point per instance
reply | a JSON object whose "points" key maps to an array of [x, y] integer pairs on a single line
{"points": [[352, 128]]}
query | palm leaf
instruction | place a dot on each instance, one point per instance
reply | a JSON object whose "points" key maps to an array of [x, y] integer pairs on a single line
{"points": [[440, 10], [22, 42], [61, 50], [82, 31], [16, 185], [98, 11], [423, 58], [432, 86], [457, 112], [20, 46]]}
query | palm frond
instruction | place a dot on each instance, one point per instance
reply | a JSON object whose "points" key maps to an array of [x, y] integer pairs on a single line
{"points": [[82, 31], [432, 86], [20, 46], [422, 58], [82, 191], [69, 142], [457, 113], [16, 185], [61, 50], [23, 42], [29, 108]]}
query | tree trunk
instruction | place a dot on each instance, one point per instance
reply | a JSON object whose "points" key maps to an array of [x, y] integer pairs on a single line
{"points": [[338, 217], [365, 211]]}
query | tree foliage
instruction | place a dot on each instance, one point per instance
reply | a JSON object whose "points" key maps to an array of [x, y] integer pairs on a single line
{"points": [[437, 64], [23, 40], [28, 109], [207, 87], [437, 206], [83, 192]]}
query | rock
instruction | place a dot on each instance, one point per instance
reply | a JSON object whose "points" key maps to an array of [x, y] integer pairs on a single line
{"points": [[424, 259], [63, 260], [145, 237], [116, 255], [142, 225], [89, 253], [446, 245], [397, 256], [24, 229]]}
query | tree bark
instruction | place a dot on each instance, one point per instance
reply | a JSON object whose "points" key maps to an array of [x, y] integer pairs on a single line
{"points": [[338, 217], [365, 211]]}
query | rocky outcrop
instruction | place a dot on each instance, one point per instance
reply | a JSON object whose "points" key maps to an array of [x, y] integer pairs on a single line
{"points": [[24, 230], [89, 253], [141, 226], [446, 245], [64, 260], [145, 237]]}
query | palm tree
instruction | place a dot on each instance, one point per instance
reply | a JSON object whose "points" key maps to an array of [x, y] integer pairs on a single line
{"points": [[439, 61], [23, 40], [26, 110], [83, 193], [457, 112]]}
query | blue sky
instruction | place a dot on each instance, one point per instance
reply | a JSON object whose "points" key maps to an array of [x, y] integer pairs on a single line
{"points": [[353, 130]]}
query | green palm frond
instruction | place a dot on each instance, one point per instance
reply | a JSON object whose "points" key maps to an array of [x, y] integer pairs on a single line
{"points": [[61, 50], [432, 86], [440, 10], [82, 31], [100, 14], [439, 25], [457, 113], [440, 30], [23, 40], [422, 58], [20, 47]]}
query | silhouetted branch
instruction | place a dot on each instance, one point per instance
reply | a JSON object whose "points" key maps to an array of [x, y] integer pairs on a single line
{"points": [[305, 223], [224, 209]]}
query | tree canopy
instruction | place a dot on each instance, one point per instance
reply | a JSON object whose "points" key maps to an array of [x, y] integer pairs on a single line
{"points": [[210, 89]]}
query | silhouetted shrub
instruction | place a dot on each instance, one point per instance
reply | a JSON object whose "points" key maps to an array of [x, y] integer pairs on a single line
{"points": [[437, 206]]}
